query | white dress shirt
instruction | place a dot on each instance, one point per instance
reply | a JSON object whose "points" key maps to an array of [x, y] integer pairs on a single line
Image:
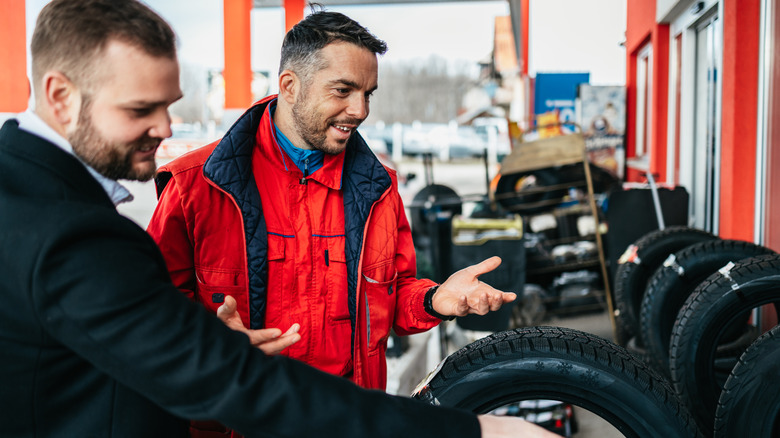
{"points": [[32, 123]]}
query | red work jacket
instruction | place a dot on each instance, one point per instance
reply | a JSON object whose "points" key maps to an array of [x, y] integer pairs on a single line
{"points": [[219, 237]]}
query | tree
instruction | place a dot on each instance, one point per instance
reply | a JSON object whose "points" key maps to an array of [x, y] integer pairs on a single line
{"points": [[429, 91]]}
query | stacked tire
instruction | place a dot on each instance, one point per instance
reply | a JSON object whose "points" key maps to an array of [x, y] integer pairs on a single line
{"points": [[635, 267], [747, 407], [688, 304], [674, 281], [713, 333]]}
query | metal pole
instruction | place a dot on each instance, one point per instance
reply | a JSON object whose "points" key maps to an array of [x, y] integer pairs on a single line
{"points": [[656, 201]]}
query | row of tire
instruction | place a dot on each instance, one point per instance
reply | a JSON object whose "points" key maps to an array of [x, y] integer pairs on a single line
{"points": [[689, 304]]}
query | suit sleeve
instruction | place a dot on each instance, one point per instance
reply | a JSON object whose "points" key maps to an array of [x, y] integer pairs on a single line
{"points": [[102, 290], [168, 228]]}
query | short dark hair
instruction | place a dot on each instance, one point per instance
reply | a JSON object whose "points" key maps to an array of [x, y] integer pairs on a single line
{"points": [[302, 44], [70, 34]]}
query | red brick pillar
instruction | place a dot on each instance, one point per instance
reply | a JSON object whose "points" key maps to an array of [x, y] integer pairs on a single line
{"points": [[238, 55], [14, 86], [293, 13]]}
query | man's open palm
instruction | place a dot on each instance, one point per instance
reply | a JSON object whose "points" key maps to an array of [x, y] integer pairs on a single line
{"points": [[464, 294]]}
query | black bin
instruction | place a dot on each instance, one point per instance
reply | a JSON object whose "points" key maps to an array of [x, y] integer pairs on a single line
{"points": [[474, 240]]}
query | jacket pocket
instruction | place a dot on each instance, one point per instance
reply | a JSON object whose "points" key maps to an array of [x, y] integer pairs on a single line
{"points": [[213, 285], [277, 274], [376, 370], [335, 262], [276, 245], [380, 308]]}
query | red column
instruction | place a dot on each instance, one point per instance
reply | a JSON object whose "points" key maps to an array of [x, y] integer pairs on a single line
{"points": [[631, 111], [741, 23], [525, 8], [640, 29], [293, 13], [14, 86], [238, 56], [660, 101]]}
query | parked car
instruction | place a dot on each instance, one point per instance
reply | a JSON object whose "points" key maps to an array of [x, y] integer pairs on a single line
{"points": [[466, 142], [500, 131], [422, 138], [378, 132]]}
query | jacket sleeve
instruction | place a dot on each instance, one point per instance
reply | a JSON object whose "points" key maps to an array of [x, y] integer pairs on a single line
{"points": [[102, 291], [410, 316], [168, 228]]}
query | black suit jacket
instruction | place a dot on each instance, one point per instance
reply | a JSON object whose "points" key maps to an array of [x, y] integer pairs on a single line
{"points": [[95, 341]]}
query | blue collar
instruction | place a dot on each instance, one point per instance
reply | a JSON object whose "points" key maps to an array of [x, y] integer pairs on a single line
{"points": [[307, 161]]}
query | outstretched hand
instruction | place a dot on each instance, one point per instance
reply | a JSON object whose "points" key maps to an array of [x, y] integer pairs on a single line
{"points": [[270, 341], [463, 293]]}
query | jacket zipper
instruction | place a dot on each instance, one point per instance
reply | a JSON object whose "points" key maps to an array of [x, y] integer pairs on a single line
{"points": [[305, 171], [360, 281]]}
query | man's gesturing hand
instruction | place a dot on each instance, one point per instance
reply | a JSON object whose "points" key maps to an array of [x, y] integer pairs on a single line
{"points": [[270, 341], [463, 293]]}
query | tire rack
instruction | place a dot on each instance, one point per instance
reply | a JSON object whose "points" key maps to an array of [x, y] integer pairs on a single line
{"points": [[554, 152]]}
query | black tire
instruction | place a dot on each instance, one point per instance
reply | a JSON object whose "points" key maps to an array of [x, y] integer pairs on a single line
{"points": [[440, 197], [640, 352], [638, 263], [749, 404], [747, 335], [530, 309], [603, 180], [529, 192], [541, 190], [674, 281], [718, 310], [560, 364]]}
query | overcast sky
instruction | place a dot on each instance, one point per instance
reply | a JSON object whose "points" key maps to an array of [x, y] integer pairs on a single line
{"points": [[566, 35]]}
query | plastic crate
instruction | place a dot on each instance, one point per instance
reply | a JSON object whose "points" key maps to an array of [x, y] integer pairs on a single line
{"points": [[474, 240]]}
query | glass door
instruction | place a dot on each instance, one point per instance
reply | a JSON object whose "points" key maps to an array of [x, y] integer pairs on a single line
{"points": [[770, 174], [706, 139]]}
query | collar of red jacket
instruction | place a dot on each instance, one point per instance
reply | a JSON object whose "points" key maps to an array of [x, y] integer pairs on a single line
{"points": [[328, 175]]}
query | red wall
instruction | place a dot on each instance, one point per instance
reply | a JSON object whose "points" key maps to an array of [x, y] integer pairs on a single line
{"points": [[739, 79], [641, 28], [739, 114], [640, 21]]}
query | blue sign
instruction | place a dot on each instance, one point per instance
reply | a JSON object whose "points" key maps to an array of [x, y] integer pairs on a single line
{"points": [[557, 92]]}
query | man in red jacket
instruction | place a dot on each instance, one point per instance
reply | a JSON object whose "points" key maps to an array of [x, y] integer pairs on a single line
{"points": [[293, 217]]}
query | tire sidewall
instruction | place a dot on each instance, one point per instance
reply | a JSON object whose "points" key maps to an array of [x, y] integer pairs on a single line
{"points": [[561, 364], [707, 314], [668, 290], [747, 407], [633, 277]]}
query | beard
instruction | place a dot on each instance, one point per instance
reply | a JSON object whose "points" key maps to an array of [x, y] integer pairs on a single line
{"points": [[313, 128], [111, 159]]}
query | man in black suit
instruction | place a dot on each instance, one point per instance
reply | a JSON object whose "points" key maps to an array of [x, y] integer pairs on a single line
{"points": [[94, 339]]}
